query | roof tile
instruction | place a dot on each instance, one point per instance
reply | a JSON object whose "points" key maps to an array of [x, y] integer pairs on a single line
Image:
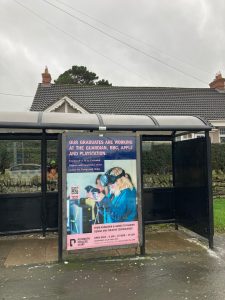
{"points": [[203, 102]]}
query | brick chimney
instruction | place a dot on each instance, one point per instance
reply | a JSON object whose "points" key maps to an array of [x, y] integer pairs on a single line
{"points": [[46, 77], [218, 83]]}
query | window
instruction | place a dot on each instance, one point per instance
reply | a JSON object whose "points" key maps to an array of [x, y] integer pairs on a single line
{"points": [[222, 135], [199, 135], [20, 166]]}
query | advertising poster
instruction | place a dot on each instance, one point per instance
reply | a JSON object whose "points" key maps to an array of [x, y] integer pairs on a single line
{"points": [[101, 191]]}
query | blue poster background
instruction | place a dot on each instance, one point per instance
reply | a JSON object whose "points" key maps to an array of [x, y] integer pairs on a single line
{"points": [[87, 154]]}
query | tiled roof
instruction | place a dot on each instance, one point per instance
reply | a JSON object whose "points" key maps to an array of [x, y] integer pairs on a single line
{"points": [[203, 102]]}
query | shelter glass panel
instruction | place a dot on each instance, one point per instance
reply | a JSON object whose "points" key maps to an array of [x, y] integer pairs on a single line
{"points": [[20, 166], [157, 164], [191, 190]]}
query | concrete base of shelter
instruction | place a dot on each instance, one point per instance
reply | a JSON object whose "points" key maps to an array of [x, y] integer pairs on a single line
{"points": [[34, 249], [100, 254]]}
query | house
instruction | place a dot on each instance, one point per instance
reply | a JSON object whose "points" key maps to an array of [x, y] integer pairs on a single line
{"points": [[207, 103]]}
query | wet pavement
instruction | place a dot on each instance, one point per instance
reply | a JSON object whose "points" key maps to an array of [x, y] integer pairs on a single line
{"points": [[28, 249], [178, 266]]}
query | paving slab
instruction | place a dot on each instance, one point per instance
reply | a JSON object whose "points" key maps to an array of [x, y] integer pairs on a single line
{"points": [[5, 248], [170, 241], [32, 251]]}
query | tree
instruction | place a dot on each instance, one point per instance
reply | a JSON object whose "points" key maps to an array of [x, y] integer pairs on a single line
{"points": [[81, 76], [103, 82]]}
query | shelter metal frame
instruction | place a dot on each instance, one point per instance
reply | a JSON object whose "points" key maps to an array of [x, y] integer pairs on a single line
{"points": [[150, 128]]}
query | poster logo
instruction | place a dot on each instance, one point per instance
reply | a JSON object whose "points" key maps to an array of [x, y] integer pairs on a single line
{"points": [[72, 242]]}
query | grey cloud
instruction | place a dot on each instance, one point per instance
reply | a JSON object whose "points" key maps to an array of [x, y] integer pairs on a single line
{"points": [[189, 30]]}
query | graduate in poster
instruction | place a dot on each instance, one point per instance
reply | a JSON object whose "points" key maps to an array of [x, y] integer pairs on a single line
{"points": [[119, 204], [101, 192]]}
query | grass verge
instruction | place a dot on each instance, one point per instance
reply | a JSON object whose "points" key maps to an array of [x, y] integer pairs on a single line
{"points": [[219, 218], [219, 214]]}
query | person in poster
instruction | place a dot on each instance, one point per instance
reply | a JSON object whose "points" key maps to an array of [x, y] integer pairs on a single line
{"points": [[119, 205], [101, 191], [52, 176]]}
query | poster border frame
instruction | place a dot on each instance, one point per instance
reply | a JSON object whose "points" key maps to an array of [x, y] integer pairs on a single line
{"points": [[65, 135]]}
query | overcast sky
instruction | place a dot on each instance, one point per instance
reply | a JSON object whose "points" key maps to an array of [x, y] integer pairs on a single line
{"points": [[178, 43]]}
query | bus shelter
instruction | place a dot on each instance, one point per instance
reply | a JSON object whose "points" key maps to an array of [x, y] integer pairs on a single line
{"points": [[33, 168]]}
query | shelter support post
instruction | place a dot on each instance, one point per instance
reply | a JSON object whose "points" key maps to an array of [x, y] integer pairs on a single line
{"points": [[60, 237], [209, 190], [44, 181], [143, 240], [173, 173], [142, 248]]}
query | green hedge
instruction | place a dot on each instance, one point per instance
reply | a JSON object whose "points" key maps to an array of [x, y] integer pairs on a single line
{"points": [[218, 157], [157, 166], [157, 158]]}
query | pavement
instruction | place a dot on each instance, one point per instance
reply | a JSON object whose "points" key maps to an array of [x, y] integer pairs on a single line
{"points": [[28, 250], [31, 249], [178, 265]]}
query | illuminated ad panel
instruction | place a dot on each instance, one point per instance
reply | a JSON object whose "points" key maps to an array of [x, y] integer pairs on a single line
{"points": [[100, 190]]}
